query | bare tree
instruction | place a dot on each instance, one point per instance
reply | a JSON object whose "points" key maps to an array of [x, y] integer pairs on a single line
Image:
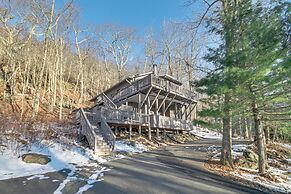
{"points": [[117, 43]]}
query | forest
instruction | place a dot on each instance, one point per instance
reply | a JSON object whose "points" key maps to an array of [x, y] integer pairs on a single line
{"points": [[235, 53]]}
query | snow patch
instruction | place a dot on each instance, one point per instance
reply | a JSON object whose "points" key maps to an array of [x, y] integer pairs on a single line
{"points": [[62, 157], [95, 177], [206, 133], [285, 145], [282, 184], [122, 146], [84, 188], [39, 176]]}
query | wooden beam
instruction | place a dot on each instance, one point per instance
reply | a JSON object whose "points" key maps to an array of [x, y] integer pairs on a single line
{"points": [[148, 93], [155, 99], [180, 109], [163, 102], [191, 110], [170, 103], [186, 109], [139, 130], [130, 131]]}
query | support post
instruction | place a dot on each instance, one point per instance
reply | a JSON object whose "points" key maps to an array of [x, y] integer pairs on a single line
{"points": [[164, 133], [148, 113], [130, 131], [176, 111], [139, 130], [139, 111], [115, 130], [158, 133], [157, 107], [164, 108], [150, 133]]}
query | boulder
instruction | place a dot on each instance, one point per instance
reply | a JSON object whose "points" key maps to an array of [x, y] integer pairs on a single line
{"points": [[132, 143], [35, 158], [287, 161], [250, 155]]}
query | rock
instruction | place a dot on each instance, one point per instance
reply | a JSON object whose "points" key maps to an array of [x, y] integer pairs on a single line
{"points": [[35, 158], [250, 155], [132, 143], [129, 154], [288, 161]]}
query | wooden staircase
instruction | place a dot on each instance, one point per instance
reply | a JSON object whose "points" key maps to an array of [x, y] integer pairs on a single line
{"points": [[99, 135]]}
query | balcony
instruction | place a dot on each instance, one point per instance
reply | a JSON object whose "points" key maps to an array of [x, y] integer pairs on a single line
{"points": [[156, 82]]}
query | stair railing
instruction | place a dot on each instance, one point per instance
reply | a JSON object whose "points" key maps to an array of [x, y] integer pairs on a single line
{"points": [[88, 130], [107, 133]]}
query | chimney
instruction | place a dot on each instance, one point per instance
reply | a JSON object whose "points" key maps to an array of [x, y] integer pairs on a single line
{"points": [[155, 69]]}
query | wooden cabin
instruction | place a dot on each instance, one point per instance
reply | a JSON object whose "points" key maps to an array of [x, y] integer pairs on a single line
{"points": [[147, 103]]}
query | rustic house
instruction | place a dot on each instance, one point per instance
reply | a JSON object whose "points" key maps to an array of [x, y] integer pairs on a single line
{"points": [[147, 103]]}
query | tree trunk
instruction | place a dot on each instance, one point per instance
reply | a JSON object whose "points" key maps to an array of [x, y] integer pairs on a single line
{"points": [[267, 134], [260, 137], [245, 128], [226, 151], [250, 128], [44, 61]]}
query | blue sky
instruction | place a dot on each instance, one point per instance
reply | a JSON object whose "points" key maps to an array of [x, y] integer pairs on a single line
{"points": [[139, 14]]}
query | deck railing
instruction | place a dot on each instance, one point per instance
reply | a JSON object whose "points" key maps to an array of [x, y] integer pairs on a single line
{"points": [[157, 82], [135, 87], [129, 117], [121, 116], [159, 121], [174, 88]]}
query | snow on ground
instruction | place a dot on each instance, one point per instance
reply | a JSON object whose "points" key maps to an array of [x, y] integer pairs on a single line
{"points": [[12, 166], [95, 177], [71, 157], [237, 150], [283, 183], [206, 133], [122, 146], [39, 176], [285, 145]]}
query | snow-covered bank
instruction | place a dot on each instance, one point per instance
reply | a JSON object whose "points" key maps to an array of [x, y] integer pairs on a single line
{"points": [[206, 133], [277, 177], [281, 182], [62, 157]]}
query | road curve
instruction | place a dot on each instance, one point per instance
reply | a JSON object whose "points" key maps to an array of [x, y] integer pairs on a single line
{"points": [[173, 169]]}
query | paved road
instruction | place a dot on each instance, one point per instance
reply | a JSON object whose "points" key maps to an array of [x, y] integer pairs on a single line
{"points": [[174, 169]]}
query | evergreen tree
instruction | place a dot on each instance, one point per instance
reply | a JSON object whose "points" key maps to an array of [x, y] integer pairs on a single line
{"points": [[252, 68]]}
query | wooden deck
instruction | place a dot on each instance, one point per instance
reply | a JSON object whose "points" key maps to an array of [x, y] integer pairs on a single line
{"points": [[119, 117]]}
